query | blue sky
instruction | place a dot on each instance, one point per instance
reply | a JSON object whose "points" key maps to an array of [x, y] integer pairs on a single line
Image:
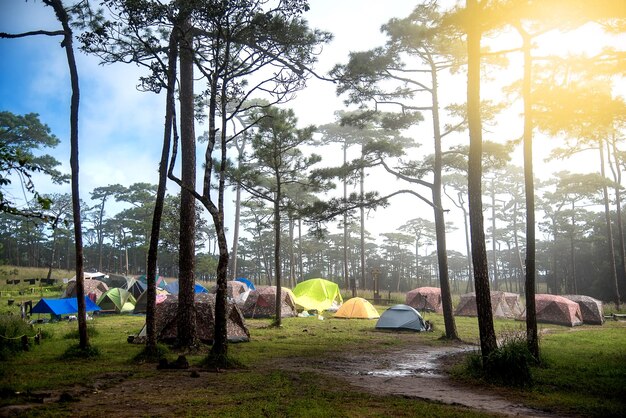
{"points": [[120, 128]]}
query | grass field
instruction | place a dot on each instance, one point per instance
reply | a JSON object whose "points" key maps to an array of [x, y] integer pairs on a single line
{"points": [[583, 371]]}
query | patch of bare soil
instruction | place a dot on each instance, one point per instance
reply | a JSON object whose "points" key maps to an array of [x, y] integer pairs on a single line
{"points": [[417, 371]]}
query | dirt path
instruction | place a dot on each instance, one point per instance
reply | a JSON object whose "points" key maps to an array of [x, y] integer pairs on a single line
{"points": [[417, 372], [413, 372]]}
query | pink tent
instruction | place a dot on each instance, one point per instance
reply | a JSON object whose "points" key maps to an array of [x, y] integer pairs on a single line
{"points": [[425, 299], [553, 309]]}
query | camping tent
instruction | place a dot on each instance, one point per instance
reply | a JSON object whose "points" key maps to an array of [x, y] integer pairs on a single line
{"points": [[425, 299], [166, 327], [357, 308], [591, 309], [261, 303], [115, 280], [502, 306], [142, 301], [135, 287], [62, 306], [160, 281], [236, 290], [317, 294], [553, 309], [401, 317], [118, 300], [173, 288], [94, 286], [247, 282]]}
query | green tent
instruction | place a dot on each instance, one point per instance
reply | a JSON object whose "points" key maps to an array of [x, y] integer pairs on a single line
{"points": [[118, 300], [317, 294]]}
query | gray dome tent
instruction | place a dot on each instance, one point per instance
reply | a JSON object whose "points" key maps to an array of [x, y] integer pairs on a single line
{"points": [[401, 317]]}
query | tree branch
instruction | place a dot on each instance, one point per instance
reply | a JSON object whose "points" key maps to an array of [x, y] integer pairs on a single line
{"points": [[32, 33]]}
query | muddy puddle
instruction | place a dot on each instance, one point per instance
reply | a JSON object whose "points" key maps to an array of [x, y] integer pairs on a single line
{"points": [[420, 364]]}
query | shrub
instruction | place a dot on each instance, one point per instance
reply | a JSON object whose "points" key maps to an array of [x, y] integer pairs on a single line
{"points": [[12, 328], [75, 352], [510, 364]]}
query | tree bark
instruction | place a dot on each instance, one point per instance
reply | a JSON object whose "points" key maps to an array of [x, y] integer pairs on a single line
{"points": [[277, 267], [186, 323], [488, 342], [532, 338], [609, 229], [440, 222], [63, 18], [151, 269]]}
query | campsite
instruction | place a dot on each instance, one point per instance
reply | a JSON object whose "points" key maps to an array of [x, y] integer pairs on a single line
{"points": [[312, 208], [343, 362]]}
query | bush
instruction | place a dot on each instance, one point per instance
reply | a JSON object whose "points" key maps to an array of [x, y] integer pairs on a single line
{"points": [[12, 328], [75, 352], [510, 364]]}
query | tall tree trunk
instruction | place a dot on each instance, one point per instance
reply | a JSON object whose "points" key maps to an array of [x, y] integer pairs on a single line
{"points": [[440, 222], [63, 18], [518, 253], [479, 253], [362, 227], [609, 229], [618, 208], [300, 266], [470, 282], [496, 285], [532, 338], [277, 267], [572, 252], [186, 322], [151, 269], [346, 276], [219, 349], [233, 261]]}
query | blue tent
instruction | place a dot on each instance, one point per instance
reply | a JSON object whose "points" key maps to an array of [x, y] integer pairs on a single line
{"points": [[246, 281], [401, 317], [174, 289], [63, 306]]}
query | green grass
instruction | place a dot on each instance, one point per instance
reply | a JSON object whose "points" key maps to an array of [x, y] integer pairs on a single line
{"points": [[583, 371]]}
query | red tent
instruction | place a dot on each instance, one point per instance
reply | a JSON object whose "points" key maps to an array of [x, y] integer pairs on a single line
{"points": [[425, 299], [261, 303], [553, 309]]}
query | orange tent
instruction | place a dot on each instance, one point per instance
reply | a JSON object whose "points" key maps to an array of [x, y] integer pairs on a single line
{"points": [[357, 308]]}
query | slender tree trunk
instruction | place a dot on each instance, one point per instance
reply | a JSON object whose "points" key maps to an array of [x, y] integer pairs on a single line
{"points": [[151, 269], [572, 252], [292, 255], [277, 319], [186, 321], [219, 349], [440, 222], [362, 228], [529, 188], [487, 333], [236, 232], [609, 229], [301, 273], [496, 285], [518, 253], [67, 43], [618, 207], [346, 278], [470, 282]]}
